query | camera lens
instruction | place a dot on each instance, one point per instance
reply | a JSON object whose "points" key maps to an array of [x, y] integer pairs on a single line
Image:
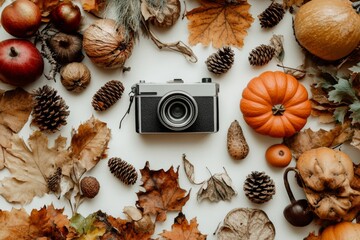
{"points": [[177, 110]]}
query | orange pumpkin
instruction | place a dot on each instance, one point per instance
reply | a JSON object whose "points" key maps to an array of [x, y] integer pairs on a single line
{"points": [[341, 231], [275, 104]]}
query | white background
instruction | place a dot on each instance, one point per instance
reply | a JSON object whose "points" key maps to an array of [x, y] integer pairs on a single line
{"points": [[163, 151]]}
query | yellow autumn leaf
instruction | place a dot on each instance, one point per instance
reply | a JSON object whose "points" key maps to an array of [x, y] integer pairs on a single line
{"points": [[220, 22]]}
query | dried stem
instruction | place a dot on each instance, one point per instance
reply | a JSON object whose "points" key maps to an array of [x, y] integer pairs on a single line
{"points": [[294, 69], [178, 46]]}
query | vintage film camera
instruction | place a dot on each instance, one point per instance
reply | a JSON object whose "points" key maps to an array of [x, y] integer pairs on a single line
{"points": [[177, 107]]}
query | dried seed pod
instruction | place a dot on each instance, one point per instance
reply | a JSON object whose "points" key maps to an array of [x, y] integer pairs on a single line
{"points": [[162, 13], [236, 143], [106, 44], [50, 110], [66, 47], [259, 187], [272, 15], [75, 76], [221, 61], [123, 170], [261, 55], [107, 95], [89, 187]]}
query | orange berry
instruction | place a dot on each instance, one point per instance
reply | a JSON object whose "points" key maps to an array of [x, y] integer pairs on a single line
{"points": [[278, 155]]}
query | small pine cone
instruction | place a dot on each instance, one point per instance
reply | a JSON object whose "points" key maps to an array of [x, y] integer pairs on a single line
{"points": [[123, 170], [221, 61], [272, 15], [89, 187], [53, 182], [107, 95], [261, 55], [50, 110], [259, 187]]}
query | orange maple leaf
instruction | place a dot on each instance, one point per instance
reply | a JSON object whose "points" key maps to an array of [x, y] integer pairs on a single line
{"points": [[222, 22], [182, 230], [162, 192]]}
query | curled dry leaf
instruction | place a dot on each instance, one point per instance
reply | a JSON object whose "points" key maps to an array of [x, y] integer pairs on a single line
{"points": [[189, 170], [277, 42], [183, 230], [30, 167], [217, 188], [308, 139], [142, 222], [222, 23], [246, 224], [162, 192], [95, 7]]}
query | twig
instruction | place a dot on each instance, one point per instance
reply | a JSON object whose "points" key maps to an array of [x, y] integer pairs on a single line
{"points": [[294, 69]]}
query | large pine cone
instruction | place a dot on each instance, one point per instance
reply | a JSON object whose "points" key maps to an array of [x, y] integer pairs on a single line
{"points": [[123, 170], [50, 110], [261, 55], [221, 61], [259, 187], [107, 95], [272, 15]]}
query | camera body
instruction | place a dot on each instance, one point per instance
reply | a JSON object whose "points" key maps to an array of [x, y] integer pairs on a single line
{"points": [[177, 107]]}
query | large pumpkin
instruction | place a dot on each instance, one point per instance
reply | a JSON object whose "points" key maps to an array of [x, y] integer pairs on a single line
{"points": [[340, 231], [275, 104], [328, 29]]}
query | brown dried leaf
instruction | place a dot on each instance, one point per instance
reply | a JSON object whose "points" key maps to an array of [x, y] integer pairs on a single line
{"points": [[246, 223], [14, 224], [95, 7], [183, 230], [88, 146], [355, 141], [290, 3], [189, 171], [30, 166], [162, 192], [1, 2], [217, 188], [308, 139], [224, 23]]}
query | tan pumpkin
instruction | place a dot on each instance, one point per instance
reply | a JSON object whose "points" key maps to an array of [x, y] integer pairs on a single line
{"points": [[329, 29], [104, 42], [275, 104], [339, 231]]}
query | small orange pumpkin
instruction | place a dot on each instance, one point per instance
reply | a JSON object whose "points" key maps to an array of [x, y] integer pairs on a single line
{"points": [[275, 104], [341, 231]]}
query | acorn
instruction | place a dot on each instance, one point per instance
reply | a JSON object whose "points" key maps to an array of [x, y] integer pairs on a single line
{"points": [[89, 187]]}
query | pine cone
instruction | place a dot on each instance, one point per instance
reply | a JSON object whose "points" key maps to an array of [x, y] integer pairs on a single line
{"points": [[259, 187], [123, 170], [50, 110], [53, 182], [107, 95], [89, 187], [221, 61], [261, 55], [272, 15]]}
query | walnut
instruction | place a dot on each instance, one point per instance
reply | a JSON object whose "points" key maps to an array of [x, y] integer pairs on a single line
{"points": [[75, 76]]}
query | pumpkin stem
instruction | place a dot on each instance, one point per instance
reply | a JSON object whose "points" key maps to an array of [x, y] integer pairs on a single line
{"points": [[278, 109], [356, 6]]}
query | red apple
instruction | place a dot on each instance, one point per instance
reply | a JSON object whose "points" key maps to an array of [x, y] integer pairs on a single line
{"points": [[20, 62], [21, 18], [66, 17]]}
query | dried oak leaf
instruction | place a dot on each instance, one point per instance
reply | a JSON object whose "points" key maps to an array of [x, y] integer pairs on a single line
{"points": [[224, 23], [217, 188], [308, 139], [30, 167], [183, 230], [246, 224], [162, 192]]}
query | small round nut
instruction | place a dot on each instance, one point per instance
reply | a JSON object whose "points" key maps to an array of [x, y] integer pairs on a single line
{"points": [[75, 76], [89, 187]]}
